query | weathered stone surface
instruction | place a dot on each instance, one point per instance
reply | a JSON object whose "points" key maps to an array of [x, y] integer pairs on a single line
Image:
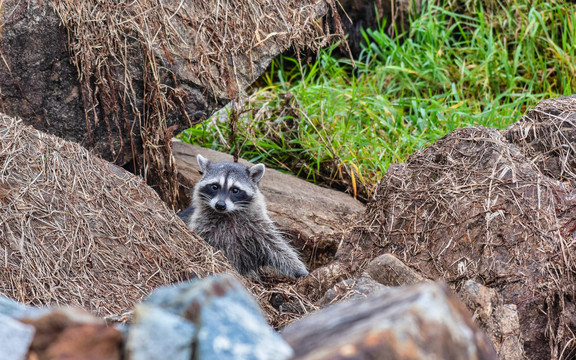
{"points": [[38, 81], [480, 299], [231, 325], [314, 216], [419, 322], [350, 289], [15, 338], [157, 334], [89, 341], [390, 271], [500, 321], [321, 279], [507, 337], [228, 321]]}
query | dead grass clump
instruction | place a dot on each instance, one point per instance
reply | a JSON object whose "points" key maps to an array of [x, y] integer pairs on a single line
{"points": [[282, 303], [471, 206], [77, 230], [547, 134]]}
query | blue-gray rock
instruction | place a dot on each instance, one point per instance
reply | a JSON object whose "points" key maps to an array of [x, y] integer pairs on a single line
{"points": [[174, 298], [229, 321], [231, 325], [157, 334], [15, 338], [15, 309]]}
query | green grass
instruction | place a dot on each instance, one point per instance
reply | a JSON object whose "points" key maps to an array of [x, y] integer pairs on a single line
{"points": [[345, 122]]}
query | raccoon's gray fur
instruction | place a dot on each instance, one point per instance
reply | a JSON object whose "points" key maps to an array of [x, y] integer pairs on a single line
{"points": [[230, 214]]}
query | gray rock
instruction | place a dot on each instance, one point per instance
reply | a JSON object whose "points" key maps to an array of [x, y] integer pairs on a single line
{"points": [[321, 280], [352, 289], [480, 299], [15, 309], [157, 334], [174, 298], [229, 330], [509, 344], [231, 325], [390, 271], [15, 338], [229, 322]]}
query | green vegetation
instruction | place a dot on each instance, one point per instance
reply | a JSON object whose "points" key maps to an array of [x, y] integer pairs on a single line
{"points": [[345, 122]]}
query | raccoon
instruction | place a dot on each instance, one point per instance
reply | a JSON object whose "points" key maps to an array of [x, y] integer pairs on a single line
{"points": [[229, 212]]}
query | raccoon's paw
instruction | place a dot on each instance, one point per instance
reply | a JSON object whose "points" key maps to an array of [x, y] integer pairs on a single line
{"points": [[299, 272]]}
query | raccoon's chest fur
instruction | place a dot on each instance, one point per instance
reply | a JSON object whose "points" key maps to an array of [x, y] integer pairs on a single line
{"points": [[245, 239]]}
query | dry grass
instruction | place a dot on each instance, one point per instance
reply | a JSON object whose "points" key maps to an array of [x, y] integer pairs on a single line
{"points": [[77, 230], [294, 304], [472, 206], [133, 57], [547, 134]]}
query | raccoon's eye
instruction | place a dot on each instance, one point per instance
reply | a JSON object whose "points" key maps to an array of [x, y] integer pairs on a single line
{"points": [[214, 187], [235, 190]]}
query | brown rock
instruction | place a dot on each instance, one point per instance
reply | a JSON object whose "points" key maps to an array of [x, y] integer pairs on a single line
{"points": [[500, 321], [390, 271], [419, 322], [350, 289], [506, 335], [86, 342], [480, 299], [321, 279], [70, 334]]}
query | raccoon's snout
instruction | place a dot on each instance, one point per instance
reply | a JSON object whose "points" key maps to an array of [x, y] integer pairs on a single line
{"points": [[220, 205]]}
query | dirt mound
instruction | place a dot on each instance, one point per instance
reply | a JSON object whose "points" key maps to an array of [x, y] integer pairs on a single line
{"points": [[77, 230], [472, 206]]}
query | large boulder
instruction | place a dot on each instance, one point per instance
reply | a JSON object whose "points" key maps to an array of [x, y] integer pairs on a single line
{"points": [[121, 79], [472, 206], [421, 322]]}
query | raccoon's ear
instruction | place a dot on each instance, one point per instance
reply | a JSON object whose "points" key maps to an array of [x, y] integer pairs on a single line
{"points": [[256, 172], [203, 163]]}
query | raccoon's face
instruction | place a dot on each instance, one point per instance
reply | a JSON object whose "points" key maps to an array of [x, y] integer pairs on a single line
{"points": [[227, 187]]}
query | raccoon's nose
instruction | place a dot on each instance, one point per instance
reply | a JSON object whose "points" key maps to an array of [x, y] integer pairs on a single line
{"points": [[220, 205]]}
